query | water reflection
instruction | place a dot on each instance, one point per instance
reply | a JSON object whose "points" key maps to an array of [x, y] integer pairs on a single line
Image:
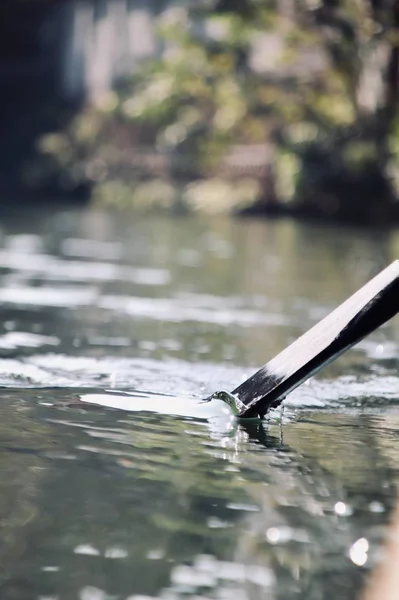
{"points": [[102, 503], [138, 503]]}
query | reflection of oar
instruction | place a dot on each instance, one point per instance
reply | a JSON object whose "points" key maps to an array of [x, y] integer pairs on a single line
{"points": [[362, 313]]}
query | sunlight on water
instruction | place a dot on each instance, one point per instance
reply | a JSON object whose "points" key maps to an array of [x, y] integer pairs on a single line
{"points": [[189, 309], [117, 481], [171, 405]]}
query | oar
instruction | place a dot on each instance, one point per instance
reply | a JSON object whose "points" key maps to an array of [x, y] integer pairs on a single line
{"points": [[371, 306]]}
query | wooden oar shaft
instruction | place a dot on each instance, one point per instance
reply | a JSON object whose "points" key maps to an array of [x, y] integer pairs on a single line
{"points": [[371, 306]]}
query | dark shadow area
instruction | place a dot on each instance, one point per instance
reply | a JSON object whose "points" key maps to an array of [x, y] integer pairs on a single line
{"points": [[31, 50]]}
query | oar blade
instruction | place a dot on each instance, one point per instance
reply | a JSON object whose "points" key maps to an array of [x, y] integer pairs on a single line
{"points": [[371, 306]]}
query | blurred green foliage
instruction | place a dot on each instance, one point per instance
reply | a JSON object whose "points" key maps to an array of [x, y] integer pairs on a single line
{"points": [[316, 80], [306, 90]]}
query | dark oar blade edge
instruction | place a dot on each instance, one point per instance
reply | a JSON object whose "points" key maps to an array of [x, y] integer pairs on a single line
{"points": [[371, 306]]}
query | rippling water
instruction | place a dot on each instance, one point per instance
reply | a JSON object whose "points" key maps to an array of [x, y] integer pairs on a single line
{"points": [[116, 482]]}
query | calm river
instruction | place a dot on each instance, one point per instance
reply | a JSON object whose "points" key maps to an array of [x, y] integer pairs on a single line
{"points": [[160, 500]]}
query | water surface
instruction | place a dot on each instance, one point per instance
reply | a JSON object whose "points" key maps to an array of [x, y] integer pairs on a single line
{"points": [[162, 499]]}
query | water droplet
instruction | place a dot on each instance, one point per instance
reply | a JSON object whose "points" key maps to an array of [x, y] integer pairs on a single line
{"points": [[273, 535], [342, 509], [279, 535], [358, 552], [86, 549], [376, 507]]}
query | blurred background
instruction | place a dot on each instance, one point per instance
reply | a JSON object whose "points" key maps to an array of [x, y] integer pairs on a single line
{"points": [[259, 106], [129, 131]]}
